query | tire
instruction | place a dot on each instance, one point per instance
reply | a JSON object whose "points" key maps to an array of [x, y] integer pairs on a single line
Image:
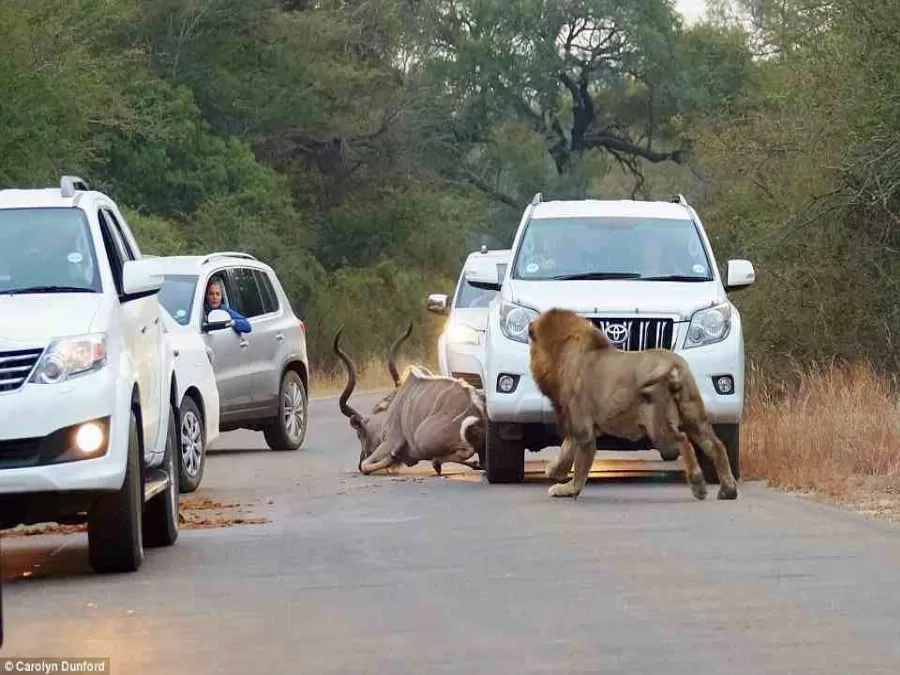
{"points": [[670, 455], [115, 525], [730, 435], [192, 457], [292, 401], [161, 513], [504, 460]]}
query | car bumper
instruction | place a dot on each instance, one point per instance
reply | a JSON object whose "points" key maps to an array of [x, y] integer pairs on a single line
{"points": [[464, 361], [35, 416], [527, 405]]}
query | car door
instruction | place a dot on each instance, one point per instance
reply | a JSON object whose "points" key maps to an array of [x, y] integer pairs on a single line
{"points": [[232, 364], [140, 326], [278, 333], [253, 303]]}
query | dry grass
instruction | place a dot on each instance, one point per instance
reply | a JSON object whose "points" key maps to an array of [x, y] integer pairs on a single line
{"points": [[371, 376], [833, 433]]}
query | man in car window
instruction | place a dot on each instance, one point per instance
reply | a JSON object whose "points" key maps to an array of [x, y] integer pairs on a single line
{"points": [[214, 301]]}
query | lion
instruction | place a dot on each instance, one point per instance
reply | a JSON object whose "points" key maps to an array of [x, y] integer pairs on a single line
{"points": [[598, 389]]}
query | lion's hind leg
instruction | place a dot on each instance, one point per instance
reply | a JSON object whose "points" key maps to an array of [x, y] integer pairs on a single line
{"points": [[713, 448]]}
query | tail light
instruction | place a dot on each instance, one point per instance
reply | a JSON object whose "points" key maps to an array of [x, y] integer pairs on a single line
{"points": [[302, 325]]}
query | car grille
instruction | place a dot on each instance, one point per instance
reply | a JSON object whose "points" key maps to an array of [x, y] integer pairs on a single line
{"points": [[20, 453], [638, 334], [16, 366]]}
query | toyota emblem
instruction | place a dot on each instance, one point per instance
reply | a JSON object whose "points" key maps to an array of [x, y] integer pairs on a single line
{"points": [[617, 333]]}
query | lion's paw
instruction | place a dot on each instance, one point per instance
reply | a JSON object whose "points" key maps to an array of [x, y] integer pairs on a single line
{"points": [[728, 493], [698, 486], [562, 490]]}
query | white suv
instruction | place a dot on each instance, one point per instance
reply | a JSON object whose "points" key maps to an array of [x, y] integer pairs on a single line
{"points": [[641, 271], [262, 375], [461, 343], [88, 425]]}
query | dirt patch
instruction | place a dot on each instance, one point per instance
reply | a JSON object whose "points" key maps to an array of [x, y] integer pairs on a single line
{"points": [[194, 514], [204, 513]]}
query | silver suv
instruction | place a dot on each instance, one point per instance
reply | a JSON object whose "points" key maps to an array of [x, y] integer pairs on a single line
{"points": [[262, 375]]}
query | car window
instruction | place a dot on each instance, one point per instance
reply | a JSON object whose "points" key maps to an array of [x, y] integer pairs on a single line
{"points": [[47, 247], [468, 296], [177, 296], [627, 246], [114, 251], [269, 298], [124, 244], [248, 300]]}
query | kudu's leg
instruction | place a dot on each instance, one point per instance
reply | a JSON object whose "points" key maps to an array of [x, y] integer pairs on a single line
{"points": [[712, 447], [381, 458], [584, 452]]}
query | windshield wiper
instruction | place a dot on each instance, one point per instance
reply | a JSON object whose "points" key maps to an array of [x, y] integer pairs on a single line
{"points": [[597, 276], [47, 289], [675, 277]]}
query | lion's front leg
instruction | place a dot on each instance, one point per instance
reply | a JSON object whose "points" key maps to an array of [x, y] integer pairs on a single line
{"points": [[584, 452], [558, 469]]}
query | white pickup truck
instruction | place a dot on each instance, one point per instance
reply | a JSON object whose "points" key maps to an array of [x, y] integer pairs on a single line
{"points": [[88, 396], [644, 273]]}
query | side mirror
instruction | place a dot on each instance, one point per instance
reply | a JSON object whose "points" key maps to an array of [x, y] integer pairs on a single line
{"points": [[140, 279], [438, 303], [484, 275], [739, 274], [218, 319]]}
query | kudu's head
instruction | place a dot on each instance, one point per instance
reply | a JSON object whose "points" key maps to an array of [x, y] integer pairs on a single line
{"points": [[368, 427]]}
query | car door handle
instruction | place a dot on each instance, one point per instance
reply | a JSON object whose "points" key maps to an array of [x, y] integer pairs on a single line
{"points": [[279, 338], [143, 329], [244, 344]]}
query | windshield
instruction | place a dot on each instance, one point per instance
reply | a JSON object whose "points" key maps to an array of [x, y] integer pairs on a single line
{"points": [[177, 296], [47, 250], [468, 297], [612, 248]]}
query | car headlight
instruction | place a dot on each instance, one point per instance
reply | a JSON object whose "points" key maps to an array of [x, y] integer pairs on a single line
{"points": [[514, 320], [709, 326], [460, 334], [70, 357]]}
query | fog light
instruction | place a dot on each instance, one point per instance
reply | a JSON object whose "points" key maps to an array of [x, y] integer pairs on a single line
{"points": [[507, 383], [724, 384], [89, 438]]}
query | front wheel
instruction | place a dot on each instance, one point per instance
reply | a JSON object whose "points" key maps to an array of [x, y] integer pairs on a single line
{"points": [[193, 447], [504, 458], [115, 537], [288, 431]]}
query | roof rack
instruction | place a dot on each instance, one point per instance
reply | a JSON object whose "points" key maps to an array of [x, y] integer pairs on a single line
{"points": [[69, 184], [679, 199], [228, 254], [537, 199]]}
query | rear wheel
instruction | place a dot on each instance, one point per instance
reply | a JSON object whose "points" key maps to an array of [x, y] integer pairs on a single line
{"points": [[288, 431], [115, 537], [161, 514], [504, 456], [730, 435], [193, 447]]}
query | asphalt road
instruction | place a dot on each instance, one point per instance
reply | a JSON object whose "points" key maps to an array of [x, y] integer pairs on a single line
{"points": [[418, 574]]}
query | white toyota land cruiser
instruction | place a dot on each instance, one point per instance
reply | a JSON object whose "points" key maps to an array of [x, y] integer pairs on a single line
{"points": [[88, 425], [641, 271]]}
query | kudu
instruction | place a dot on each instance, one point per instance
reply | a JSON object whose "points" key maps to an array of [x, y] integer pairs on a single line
{"points": [[427, 417]]}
